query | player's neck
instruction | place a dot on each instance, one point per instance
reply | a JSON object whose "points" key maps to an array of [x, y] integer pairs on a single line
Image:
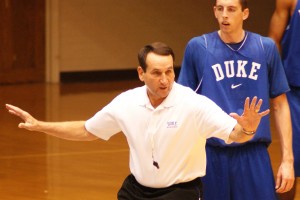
{"points": [[232, 37]]}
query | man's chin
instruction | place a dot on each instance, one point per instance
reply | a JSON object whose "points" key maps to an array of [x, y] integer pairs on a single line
{"points": [[164, 94]]}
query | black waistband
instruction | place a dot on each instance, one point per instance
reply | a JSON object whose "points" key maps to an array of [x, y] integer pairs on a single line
{"points": [[295, 87], [196, 182]]}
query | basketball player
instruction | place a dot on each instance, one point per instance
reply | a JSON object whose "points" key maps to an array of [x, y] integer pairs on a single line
{"points": [[228, 65], [285, 30], [166, 126]]}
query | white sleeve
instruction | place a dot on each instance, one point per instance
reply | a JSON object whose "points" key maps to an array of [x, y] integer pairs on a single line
{"points": [[215, 122], [103, 124]]}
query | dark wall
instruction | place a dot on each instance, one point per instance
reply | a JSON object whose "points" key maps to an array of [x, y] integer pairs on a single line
{"points": [[260, 15]]}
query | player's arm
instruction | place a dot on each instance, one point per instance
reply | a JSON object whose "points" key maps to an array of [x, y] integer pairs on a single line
{"points": [[285, 176], [279, 20], [73, 130], [248, 121]]}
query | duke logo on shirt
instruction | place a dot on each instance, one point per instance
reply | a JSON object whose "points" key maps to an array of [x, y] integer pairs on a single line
{"points": [[172, 124], [237, 69]]}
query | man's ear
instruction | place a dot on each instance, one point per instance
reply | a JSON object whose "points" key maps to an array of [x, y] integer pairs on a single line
{"points": [[140, 72], [215, 8], [246, 13]]}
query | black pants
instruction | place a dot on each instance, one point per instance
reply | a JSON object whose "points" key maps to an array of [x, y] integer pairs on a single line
{"points": [[132, 190]]}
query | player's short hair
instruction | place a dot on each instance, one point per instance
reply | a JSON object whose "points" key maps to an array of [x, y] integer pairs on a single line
{"points": [[158, 48], [244, 4]]}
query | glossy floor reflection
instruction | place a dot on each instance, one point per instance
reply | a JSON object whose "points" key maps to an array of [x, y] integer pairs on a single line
{"points": [[39, 167]]}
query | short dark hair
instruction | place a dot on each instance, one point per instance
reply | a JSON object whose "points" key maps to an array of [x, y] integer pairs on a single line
{"points": [[157, 48], [244, 4]]}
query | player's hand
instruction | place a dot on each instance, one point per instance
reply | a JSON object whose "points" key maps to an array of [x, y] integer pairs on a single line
{"points": [[29, 122], [285, 178]]}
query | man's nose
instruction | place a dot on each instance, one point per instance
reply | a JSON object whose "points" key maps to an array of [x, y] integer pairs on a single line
{"points": [[224, 13], [163, 78]]}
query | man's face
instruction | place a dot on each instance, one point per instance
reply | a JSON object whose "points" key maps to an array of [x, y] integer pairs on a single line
{"points": [[159, 77], [230, 15]]}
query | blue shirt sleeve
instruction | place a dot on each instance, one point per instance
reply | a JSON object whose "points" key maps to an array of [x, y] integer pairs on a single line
{"points": [[191, 71], [277, 74]]}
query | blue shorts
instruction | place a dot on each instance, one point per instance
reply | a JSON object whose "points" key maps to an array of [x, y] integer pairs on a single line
{"points": [[242, 172], [294, 102]]}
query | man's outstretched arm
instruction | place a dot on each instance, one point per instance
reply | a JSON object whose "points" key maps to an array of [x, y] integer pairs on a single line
{"points": [[69, 130]]}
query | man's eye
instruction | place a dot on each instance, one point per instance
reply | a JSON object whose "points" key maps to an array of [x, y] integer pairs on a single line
{"points": [[169, 72], [219, 9]]}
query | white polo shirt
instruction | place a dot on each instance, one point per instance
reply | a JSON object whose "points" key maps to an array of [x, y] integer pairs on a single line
{"points": [[173, 134]]}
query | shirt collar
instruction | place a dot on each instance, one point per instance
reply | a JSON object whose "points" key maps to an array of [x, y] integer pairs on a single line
{"points": [[170, 101]]}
